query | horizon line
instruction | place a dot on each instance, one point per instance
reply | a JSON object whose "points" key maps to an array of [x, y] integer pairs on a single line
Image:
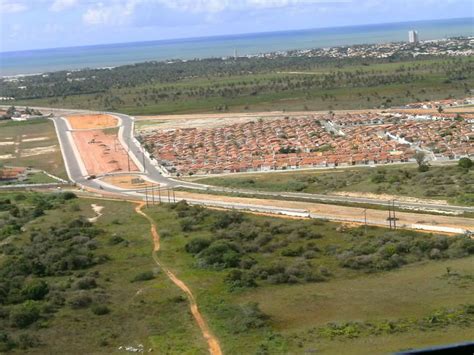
{"points": [[231, 35]]}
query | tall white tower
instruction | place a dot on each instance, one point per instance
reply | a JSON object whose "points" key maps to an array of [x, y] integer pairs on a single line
{"points": [[412, 36]]}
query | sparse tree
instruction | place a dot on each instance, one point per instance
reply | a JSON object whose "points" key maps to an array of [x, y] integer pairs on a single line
{"points": [[420, 158]]}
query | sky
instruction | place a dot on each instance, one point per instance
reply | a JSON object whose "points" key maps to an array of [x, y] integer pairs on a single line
{"points": [[34, 24]]}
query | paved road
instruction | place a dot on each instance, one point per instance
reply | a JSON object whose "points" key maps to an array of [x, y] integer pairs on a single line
{"points": [[154, 174]]}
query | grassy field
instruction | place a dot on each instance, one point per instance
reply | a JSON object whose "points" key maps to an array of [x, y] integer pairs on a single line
{"points": [[422, 301], [430, 83], [32, 178], [152, 313], [29, 138], [447, 182], [298, 311]]}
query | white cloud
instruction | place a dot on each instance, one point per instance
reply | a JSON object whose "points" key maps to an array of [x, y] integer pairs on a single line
{"points": [[120, 11], [60, 5], [214, 6], [114, 13], [8, 7]]}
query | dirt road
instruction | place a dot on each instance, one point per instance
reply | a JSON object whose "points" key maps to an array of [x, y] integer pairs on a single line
{"points": [[336, 212], [212, 342]]}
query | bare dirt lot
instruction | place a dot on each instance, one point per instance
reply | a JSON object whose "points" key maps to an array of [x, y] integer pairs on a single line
{"points": [[214, 120], [92, 121], [102, 153], [128, 181]]}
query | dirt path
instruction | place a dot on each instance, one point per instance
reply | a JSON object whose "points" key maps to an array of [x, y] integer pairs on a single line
{"points": [[212, 342]]}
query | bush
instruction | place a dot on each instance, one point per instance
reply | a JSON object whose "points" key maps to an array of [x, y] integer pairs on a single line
{"points": [[197, 245], [220, 254], [35, 290], [6, 342], [85, 283], [26, 341], [240, 279], [25, 314], [100, 310], [465, 163], [144, 276], [80, 301]]}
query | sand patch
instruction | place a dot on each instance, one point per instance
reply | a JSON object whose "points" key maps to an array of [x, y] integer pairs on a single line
{"points": [[7, 143], [128, 181], [92, 121], [7, 156], [98, 211], [37, 139], [388, 197], [38, 151]]}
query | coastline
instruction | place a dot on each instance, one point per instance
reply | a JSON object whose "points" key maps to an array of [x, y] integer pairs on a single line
{"points": [[36, 62]]}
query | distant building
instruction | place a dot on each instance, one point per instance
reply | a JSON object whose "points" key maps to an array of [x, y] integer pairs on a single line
{"points": [[413, 36]]}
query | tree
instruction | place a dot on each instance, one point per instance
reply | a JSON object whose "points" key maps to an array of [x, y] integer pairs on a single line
{"points": [[420, 158], [440, 109], [465, 163]]}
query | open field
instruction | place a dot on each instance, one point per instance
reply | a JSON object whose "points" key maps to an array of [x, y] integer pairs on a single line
{"points": [[92, 121], [298, 311], [150, 312], [31, 144], [266, 89], [102, 152], [313, 282], [440, 183]]}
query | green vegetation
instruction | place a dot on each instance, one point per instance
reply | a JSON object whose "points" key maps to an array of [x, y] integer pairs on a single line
{"points": [[65, 286], [453, 183], [36, 177], [250, 84], [26, 152], [264, 284]]}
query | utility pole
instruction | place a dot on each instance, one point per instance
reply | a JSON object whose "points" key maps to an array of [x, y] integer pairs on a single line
{"points": [[174, 197], [159, 194], [153, 194], [394, 217], [146, 195], [169, 199], [365, 220], [390, 214], [143, 158]]}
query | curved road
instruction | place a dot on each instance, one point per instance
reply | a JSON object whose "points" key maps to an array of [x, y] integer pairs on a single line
{"points": [[126, 136]]}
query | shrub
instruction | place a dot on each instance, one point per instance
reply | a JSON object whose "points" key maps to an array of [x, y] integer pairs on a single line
{"points": [[100, 310], [144, 276], [116, 239], [35, 290], [197, 245], [240, 279], [26, 341], [85, 283], [220, 254], [465, 163], [80, 301], [25, 314]]}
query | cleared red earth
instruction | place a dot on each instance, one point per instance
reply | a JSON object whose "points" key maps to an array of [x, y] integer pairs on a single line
{"points": [[102, 153]]}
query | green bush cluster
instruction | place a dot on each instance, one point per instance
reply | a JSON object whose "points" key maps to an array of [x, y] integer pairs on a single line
{"points": [[439, 319], [395, 249], [29, 293]]}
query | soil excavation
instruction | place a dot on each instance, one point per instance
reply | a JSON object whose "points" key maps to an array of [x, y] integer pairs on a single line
{"points": [[129, 181], [102, 153], [212, 342], [98, 121]]}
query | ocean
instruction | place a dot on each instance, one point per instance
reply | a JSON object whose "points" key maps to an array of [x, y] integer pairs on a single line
{"points": [[109, 55]]}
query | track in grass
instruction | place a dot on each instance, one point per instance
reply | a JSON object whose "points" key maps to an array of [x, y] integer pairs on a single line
{"points": [[212, 342]]}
